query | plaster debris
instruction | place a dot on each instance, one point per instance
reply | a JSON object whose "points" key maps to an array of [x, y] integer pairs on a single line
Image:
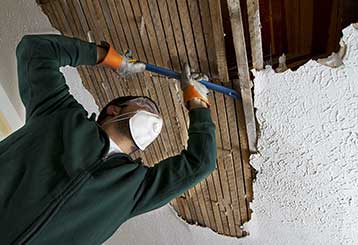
{"points": [[90, 37], [335, 59], [282, 64], [141, 26]]}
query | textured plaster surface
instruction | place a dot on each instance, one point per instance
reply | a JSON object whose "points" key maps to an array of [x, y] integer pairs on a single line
{"points": [[306, 190]]}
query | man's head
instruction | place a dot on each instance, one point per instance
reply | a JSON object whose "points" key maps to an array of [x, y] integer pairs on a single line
{"points": [[132, 122]]}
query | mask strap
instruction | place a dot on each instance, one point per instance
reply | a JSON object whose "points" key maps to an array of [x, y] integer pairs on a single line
{"points": [[120, 117]]}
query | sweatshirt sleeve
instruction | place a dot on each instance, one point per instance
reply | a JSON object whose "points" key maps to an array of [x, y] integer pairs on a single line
{"points": [[42, 86], [175, 175]]}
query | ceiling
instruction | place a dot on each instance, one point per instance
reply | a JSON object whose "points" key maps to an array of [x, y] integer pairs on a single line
{"points": [[221, 38]]}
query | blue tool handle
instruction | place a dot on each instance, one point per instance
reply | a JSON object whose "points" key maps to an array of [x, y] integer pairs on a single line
{"points": [[173, 74], [163, 71]]}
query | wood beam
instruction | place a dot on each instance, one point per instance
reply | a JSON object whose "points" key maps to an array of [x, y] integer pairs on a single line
{"points": [[253, 12], [245, 82]]}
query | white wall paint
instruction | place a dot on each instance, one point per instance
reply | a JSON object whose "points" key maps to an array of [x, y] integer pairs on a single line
{"points": [[306, 191]]}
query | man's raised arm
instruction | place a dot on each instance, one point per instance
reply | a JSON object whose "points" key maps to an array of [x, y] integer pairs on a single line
{"points": [[175, 175], [39, 57]]}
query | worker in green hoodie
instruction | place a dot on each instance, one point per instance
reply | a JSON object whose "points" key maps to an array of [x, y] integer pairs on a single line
{"points": [[66, 178]]}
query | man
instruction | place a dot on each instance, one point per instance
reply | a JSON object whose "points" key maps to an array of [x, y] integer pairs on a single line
{"points": [[67, 179]]}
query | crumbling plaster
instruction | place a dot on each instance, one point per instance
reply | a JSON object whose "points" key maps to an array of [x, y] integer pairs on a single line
{"points": [[306, 190]]}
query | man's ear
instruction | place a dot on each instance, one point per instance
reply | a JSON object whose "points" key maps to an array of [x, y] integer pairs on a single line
{"points": [[113, 110]]}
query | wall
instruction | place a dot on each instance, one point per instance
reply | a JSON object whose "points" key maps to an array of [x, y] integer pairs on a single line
{"points": [[18, 18], [306, 188]]}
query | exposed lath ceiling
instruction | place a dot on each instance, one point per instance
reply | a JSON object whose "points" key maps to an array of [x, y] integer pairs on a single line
{"points": [[169, 33]]}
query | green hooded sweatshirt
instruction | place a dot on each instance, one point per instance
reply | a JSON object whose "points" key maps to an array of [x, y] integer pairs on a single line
{"points": [[56, 184]]}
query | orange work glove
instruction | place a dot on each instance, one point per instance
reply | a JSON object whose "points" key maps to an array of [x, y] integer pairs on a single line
{"points": [[121, 63], [192, 89]]}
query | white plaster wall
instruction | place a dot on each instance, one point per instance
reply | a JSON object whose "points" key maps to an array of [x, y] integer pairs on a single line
{"points": [[307, 186]]}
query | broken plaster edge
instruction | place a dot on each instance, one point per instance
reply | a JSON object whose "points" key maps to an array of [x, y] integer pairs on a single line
{"points": [[310, 63], [342, 53], [197, 227]]}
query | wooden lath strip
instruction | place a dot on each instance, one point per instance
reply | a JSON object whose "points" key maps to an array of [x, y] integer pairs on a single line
{"points": [[253, 12], [244, 110], [218, 37], [235, 154], [245, 153], [243, 71]]}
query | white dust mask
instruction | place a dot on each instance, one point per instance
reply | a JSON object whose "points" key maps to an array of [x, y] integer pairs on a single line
{"points": [[144, 126]]}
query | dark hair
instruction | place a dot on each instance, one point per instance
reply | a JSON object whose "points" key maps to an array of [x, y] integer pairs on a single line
{"points": [[117, 102]]}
